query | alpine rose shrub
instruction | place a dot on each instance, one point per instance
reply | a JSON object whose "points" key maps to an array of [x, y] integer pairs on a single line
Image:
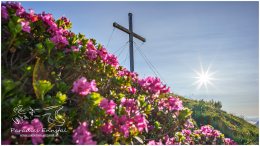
{"points": [[73, 83], [82, 87], [82, 136]]}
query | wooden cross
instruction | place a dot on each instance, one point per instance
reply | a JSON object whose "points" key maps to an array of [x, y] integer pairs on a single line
{"points": [[131, 36]]}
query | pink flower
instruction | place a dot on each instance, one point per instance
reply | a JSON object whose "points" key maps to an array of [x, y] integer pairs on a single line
{"points": [[4, 12], [169, 141], [229, 141], [92, 54], [37, 125], [35, 128], [18, 125], [171, 104], [72, 49], [26, 26], [90, 45], [153, 142], [59, 40], [141, 123], [103, 54], [216, 133], [47, 18], [206, 130], [20, 10], [107, 127], [108, 106], [17, 7], [82, 87], [188, 124], [125, 129], [132, 90], [127, 74], [112, 60], [153, 85], [130, 105], [32, 16], [128, 102], [91, 50], [174, 104], [186, 132], [82, 136]]}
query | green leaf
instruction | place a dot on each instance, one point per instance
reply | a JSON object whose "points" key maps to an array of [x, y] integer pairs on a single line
{"points": [[50, 61], [62, 97], [11, 26], [157, 125], [40, 48], [18, 28], [50, 45], [9, 85], [185, 113], [62, 86], [95, 97], [42, 87]]}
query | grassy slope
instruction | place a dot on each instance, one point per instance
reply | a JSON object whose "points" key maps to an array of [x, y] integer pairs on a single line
{"points": [[232, 126]]}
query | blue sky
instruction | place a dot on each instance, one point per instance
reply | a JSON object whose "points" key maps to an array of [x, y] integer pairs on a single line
{"points": [[181, 36]]}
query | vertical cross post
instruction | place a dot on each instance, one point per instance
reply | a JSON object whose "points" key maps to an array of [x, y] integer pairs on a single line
{"points": [[131, 49], [131, 37]]}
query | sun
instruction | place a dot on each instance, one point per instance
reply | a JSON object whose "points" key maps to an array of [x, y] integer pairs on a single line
{"points": [[204, 78]]}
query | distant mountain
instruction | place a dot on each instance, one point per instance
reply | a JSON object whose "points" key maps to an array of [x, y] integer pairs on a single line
{"points": [[209, 112], [257, 123], [252, 120]]}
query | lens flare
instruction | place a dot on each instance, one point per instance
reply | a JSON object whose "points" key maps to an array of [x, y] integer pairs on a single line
{"points": [[204, 78]]}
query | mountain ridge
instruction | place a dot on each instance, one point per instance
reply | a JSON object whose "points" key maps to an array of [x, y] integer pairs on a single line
{"points": [[210, 112]]}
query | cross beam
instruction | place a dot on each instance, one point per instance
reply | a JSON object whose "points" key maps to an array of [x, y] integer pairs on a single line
{"points": [[131, 36]]}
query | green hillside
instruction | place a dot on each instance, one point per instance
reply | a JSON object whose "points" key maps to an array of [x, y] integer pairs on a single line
{"points": [[209, 112]]}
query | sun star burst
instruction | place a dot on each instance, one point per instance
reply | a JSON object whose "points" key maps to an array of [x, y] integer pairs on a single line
{"points": [[204, 78]]}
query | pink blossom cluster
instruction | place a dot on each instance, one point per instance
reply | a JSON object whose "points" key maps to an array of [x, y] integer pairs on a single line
{"points": [[129, 89], [92, 53], [153, 142], [208, 131], [66, 22], [127, 74], [83, 87], [229, 141], [124, 123], [153, 85], [107, 127], [20, 11], [34, 129], [26, 26], [188, 124], [108, 106], [4, 12], [170, 104], [130, 105], [82, 136], [58, 34], [132, 90], [211, 136], [165, 140]]}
